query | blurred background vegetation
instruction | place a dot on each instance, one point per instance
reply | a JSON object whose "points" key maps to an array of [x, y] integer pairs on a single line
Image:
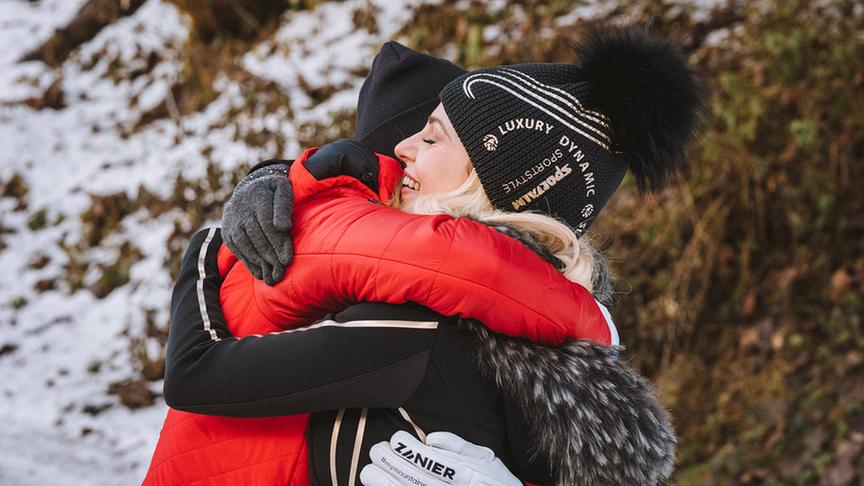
{"points": [[740, 287]]}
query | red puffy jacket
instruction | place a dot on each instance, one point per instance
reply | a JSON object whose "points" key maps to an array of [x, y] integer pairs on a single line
{"points": [[349, 249]]}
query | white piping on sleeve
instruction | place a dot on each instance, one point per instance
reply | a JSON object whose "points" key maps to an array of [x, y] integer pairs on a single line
{"points": [[334, 438], [358, 444], [613, 331], [202, 304], [365, 323]]}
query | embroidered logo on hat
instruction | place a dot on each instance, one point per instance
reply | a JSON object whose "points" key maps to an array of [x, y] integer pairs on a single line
{"points": [[490, 142]]}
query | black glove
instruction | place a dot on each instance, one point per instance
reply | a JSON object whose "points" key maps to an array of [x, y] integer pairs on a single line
{"points": [[256, 222], [345, 157]]}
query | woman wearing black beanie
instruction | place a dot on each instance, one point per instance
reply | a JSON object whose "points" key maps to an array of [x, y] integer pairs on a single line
{"points": [[557, 139], [540, 148]]}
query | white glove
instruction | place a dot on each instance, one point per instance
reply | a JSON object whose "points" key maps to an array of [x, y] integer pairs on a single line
{"points": [[446, 459]]}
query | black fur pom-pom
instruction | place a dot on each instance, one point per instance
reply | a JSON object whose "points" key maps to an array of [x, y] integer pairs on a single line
{"points": [[646, 87]]}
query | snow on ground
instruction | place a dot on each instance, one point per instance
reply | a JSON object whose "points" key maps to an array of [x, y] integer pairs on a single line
{"points": [[63, 156], [325, 48], [61, 347]]}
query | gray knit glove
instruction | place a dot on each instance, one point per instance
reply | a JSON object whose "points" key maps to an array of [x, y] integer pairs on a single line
{"points": [[256, 222]]}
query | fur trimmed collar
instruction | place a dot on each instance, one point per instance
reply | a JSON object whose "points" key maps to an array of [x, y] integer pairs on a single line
{"points": [[596, 420]]}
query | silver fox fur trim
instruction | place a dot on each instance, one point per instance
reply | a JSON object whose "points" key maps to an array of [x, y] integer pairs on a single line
{"points": [[596, 419]]}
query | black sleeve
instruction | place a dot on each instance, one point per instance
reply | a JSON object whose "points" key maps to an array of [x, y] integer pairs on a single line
{"points": [[370, 355], [345, 157], [268, 163]]}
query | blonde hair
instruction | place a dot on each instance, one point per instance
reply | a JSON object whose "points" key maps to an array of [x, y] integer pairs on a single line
{"points": [[469, 200]]}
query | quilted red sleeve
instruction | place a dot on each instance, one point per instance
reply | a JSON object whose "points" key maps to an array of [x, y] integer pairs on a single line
{"points": [[349, 249]]}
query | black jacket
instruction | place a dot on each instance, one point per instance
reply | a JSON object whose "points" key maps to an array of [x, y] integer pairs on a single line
{"points": [[569, 415]]}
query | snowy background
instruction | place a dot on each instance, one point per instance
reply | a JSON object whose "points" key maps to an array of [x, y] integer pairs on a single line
{"points": [[105, 171], [86, 186]]}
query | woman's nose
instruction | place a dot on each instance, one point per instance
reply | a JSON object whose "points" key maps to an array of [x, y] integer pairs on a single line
{"points": [[405, 149]]}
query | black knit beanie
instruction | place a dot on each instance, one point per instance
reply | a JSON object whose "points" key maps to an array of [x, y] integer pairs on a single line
{"points": [[399, 94], [558, 138]]}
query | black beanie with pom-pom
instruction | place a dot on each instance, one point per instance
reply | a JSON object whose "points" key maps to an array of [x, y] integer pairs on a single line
{"points": [[558, 138]]}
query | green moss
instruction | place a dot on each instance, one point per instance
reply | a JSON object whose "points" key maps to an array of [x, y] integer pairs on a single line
{"points": [[15, 188], [805, 133], [38, 220], [105, 214], [116, 273]]}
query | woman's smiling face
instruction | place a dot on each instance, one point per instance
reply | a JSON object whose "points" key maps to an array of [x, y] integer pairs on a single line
{"points": [[435, 160]]}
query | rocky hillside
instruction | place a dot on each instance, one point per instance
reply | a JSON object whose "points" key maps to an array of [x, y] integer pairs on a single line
{"points": [[124, 125]]}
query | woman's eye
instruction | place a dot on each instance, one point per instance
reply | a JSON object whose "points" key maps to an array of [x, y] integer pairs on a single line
{"points": [[429, 141]]}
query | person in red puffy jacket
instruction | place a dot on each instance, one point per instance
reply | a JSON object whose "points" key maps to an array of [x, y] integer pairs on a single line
{"points": [[473, 151]]}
